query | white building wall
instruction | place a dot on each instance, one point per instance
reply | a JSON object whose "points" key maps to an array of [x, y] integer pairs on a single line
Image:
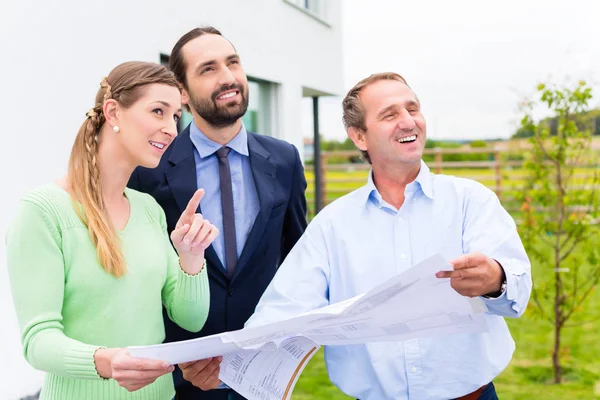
{"points": [[54, 54]]}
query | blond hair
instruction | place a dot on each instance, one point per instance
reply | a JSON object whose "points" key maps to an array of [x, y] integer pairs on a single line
{"points": [[125, 85], [353, 108]]}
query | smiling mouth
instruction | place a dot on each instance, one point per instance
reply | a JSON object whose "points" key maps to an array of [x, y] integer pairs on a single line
{"points": [[158, 145], [407, 139], [228, 95]]}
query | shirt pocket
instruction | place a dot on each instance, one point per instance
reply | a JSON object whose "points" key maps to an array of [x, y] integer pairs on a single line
{"points": [[445, 235]]}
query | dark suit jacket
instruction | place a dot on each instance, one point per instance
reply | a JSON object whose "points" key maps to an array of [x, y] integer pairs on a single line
{"points": [[281, 220]]}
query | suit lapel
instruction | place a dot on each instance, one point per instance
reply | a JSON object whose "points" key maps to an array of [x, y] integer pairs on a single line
{"points": [[263, 172], [183, 183]]}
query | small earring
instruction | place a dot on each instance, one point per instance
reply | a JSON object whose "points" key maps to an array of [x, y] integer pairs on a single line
{"points": [[116, 129]]}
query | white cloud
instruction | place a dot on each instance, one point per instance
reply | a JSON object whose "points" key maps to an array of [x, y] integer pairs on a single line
{"points": [[470, 62]]}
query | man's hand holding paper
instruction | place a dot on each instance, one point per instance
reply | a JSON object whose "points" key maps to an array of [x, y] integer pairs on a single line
{"points": [[475, 274]]}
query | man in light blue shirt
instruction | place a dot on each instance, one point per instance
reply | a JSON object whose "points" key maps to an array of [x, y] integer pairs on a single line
{"points": [[403, 215]]}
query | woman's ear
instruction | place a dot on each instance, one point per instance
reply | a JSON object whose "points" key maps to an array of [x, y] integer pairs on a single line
{"points": [[111, 112]]}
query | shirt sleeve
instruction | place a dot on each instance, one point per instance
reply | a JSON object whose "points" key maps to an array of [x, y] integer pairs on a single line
{"points": [[37, 274], [489, 229], [302, 282], [185, 297]]}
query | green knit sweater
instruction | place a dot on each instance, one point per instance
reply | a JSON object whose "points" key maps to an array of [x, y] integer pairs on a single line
{"points": [[68, 306]]}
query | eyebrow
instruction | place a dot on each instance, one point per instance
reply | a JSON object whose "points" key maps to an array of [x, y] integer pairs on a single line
{"points": [[393, 106], [164, 103], [385, 110], [213, 62]]}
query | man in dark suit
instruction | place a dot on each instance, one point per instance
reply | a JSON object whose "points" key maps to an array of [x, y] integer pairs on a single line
{"points": [[254, 188]]}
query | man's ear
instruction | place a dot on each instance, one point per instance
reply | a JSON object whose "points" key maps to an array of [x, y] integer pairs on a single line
{"points": [[111, 112], [358, 138], [185, 96]]}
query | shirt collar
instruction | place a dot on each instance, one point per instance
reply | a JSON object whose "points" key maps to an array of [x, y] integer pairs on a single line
{"points": [[423, 182], [207, 147]]}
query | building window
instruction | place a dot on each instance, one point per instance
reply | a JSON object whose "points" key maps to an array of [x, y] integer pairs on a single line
{"points": [[316, 8], [261, 115]]}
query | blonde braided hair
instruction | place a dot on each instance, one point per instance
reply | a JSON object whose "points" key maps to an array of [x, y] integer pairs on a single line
{"points": [[124, 84]]}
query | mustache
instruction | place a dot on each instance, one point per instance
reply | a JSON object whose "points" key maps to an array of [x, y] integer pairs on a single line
{"points": [[225, 88]]}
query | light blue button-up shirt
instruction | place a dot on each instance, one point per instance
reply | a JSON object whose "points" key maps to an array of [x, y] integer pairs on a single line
{"points": [[360, 241], [245, 197]]}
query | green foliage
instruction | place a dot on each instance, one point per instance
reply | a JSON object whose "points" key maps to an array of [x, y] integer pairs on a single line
{"points": [[430, 144], [560, 216], [522, 132], [477, 144], [333, 145], [586, 120], [461, 156]]}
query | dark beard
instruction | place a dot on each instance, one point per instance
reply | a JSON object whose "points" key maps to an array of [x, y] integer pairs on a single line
{"points": [[221, 116]]}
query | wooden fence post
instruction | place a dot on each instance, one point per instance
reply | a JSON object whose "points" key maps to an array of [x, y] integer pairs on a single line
{"points": [[323, 181], [498, 168], [438, 160]]}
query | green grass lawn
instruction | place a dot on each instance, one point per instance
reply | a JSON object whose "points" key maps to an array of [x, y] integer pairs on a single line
{"points": [[529, 375], [513, 181]]}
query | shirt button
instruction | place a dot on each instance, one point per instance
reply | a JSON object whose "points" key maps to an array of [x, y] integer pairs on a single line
{"points": [[402, 257], [413, 370]]}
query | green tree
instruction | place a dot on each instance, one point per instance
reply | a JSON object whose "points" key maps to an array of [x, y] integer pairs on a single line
{"points": [[478, 144], [560, 214], [587, 119]]}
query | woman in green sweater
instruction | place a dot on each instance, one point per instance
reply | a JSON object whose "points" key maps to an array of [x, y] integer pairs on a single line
{"points": [[90, 261]]}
